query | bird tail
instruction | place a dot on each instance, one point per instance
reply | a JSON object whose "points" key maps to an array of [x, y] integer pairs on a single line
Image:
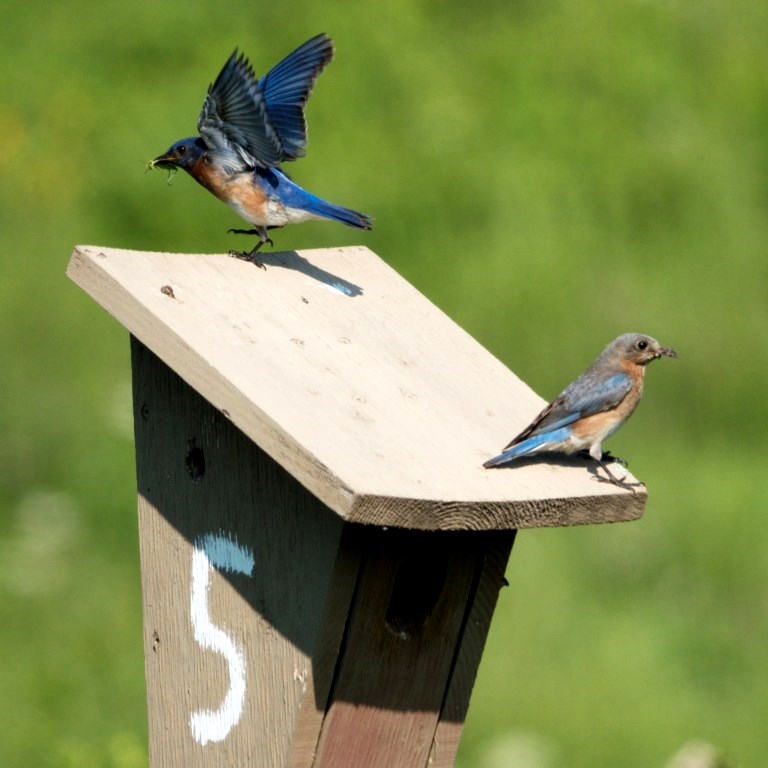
{"points": [[338, 213], [547, 441]]}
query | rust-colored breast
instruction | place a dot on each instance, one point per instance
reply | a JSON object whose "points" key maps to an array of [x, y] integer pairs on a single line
{"points": [[599, 425], [238, 191]]}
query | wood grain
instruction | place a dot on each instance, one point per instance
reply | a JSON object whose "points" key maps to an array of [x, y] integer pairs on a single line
{"points": [[361, 644], [198, 474], [327, 647], [492, 555], [352, 381], [406, 622]]}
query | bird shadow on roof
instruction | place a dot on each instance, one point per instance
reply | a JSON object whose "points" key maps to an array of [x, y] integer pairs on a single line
{"points": [[293, 260]]}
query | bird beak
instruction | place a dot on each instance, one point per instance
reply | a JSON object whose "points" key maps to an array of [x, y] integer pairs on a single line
{"points": [[165, 161], [667, 352]]}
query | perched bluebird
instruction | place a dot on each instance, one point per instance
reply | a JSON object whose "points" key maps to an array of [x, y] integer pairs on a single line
{"points": [[591, 408], [248, 127]]}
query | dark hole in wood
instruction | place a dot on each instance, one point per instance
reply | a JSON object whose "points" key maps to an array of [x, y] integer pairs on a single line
{"points": [[418, 584], [195, 461]]}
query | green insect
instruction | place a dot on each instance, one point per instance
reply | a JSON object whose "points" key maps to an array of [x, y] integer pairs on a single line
{"points": [[150, 165]]}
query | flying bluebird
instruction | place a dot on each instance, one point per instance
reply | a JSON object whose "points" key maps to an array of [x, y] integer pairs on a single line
{"points": [[593, 407], [248, 127]]}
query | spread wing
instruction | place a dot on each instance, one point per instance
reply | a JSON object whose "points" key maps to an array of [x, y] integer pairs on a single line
{"points": [[248, 122], [234, 121], [287, 87], [588, 395]]}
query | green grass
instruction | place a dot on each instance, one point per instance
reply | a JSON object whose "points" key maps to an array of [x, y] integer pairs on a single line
{"points": [[551, 174]]}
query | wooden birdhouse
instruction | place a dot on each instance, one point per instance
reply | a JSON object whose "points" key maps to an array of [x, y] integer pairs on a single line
{"points": [[321, 549]]}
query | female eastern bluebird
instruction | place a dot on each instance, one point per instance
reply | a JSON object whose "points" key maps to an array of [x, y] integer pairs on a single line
{"points": [[593, 407], [247, 128]]}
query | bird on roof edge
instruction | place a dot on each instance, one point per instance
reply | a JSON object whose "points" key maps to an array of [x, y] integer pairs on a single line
{"points": [[248, 127], [593, 407]]}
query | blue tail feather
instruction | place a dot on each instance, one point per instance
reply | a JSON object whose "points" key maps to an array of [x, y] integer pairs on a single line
{"points": [[292, 195], [548, 441], [338, 213]]}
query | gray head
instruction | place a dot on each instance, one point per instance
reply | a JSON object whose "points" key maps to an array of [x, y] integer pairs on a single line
{"points": [[636, 348]]}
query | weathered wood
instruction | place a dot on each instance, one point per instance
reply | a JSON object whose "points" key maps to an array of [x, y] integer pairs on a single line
{"points": [[490, 579], [199, 476], [360, 645], [352, 381], [411, 649], [327, 646], [275, 412]]}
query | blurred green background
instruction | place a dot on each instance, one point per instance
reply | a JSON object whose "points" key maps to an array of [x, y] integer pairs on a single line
{"points": [[551, 174]]}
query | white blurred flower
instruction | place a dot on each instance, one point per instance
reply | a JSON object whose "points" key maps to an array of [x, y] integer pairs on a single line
{"points": [[34, 556], [518, 749]]}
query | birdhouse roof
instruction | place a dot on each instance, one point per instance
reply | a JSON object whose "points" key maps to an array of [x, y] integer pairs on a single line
{"points": [[352, 380]]}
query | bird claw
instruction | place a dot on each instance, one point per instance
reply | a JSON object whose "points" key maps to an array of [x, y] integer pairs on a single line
{"points": [[608, 456], [623, 484], [249, 256], [613, 480]]}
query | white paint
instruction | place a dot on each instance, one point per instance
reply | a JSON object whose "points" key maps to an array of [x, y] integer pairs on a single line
{"points": [[300, 676], [218, 550]]}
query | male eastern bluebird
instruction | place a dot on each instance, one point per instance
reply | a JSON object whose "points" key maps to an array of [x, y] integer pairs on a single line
{"points": [[593, 407], [247, 128]]}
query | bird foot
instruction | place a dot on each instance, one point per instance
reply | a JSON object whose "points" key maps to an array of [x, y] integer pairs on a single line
{"points": [[249, 256], [609, 457], [623, 484], [613, 480]]}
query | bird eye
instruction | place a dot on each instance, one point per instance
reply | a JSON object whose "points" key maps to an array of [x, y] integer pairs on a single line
{"points": [[181, 150], [642, 344]]}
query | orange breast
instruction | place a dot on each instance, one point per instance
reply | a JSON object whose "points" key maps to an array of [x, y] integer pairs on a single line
{"points": [[238, 191], [600, 425]]}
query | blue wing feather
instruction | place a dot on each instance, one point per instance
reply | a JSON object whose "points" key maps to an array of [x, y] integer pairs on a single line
{"points": [[591, 393], [287, 87], [248, 122], [234, 120], [291, 195]]}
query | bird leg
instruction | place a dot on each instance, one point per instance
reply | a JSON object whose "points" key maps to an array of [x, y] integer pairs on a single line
{"points": [[606, 456], [612, 478], [248, 232], [261, 233], [596, 452]]}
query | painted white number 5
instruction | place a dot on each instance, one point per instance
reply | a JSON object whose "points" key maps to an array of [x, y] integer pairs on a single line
{"points": [[218, 550]]}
